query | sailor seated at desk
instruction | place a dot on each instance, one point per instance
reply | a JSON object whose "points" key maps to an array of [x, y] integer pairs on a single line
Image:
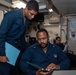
{"points": [[45, 55]]}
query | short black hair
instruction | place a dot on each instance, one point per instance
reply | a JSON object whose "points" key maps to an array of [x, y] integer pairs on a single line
{"points": [[42, 30], [33, 5], [58, 38]]}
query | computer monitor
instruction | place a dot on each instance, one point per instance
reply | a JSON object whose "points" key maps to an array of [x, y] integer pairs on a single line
{"points": [[39, 18]]}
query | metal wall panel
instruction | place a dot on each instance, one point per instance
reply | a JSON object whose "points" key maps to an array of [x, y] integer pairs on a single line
{"points": [[72, 33]]}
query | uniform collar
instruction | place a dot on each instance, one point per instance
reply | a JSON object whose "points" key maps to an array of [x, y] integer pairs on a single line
{"points": [[49, 49], [21, 16]]}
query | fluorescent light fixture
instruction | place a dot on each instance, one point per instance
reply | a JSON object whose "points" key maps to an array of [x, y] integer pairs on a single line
{"points": [[46, 24], [38, 0], [50, 10], [42, 6], [18, 4]]}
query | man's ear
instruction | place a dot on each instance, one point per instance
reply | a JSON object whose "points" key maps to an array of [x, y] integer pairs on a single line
{"points": [[27, 8]]}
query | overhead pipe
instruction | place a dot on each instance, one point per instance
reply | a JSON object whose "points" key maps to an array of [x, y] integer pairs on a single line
{"points": [[6, 4]]}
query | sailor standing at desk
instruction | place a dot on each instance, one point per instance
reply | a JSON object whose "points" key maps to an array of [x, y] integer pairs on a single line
{"points": [[12, 30]]}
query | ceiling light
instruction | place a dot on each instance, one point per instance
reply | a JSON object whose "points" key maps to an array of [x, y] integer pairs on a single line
{"points": [[42, 6], [38, 0], [50, 10], [18, 4]]}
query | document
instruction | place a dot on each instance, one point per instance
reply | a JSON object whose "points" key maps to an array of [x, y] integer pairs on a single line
{"points": [[12, 53]]}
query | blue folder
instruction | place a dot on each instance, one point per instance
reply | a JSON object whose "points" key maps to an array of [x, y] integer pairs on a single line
{"points": [[12, 53]]}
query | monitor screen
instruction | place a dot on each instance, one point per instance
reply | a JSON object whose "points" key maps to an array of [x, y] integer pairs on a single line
{"points": [[39, 17]]}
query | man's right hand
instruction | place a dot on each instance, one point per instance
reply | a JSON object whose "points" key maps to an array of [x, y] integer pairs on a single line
{"points": [[3, 59], [41, 72], [53, 66]]}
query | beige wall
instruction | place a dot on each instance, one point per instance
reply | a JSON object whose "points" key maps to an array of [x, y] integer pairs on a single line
{"points": [[1, 16]]}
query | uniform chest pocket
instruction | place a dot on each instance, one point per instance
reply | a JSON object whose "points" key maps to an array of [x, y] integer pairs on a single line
{"points": [[17, 25], [53, 58], [38, 59]]}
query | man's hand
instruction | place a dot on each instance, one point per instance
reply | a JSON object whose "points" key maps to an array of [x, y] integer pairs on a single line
{"points": [[3, 59], [41, 72], [52, 66]]}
